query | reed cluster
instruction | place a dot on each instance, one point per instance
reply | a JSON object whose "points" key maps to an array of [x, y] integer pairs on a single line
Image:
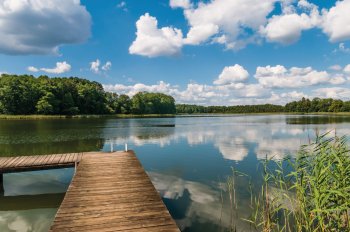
{"points": [[308, 193]]}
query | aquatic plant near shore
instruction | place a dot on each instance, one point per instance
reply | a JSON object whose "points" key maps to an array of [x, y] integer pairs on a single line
{"points": [[307, 193]]}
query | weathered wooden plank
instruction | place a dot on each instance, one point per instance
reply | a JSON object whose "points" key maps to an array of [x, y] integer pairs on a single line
{"points": [[61, 158], [112, 192], [33, 159], [66, 160], [20, 162], [80, 156], [4, 161], [51, 158], [46, 160], [39, 161], [86, 209], [72, 157], [13, 160]]}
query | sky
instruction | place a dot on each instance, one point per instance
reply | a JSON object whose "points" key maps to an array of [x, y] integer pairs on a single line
{"points": [[210, 52]]}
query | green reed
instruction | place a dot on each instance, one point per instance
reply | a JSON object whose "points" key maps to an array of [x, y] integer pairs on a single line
{"points": [[308, 193]]}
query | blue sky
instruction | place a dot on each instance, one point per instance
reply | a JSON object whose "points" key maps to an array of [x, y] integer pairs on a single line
{"points": [[204, 52]]}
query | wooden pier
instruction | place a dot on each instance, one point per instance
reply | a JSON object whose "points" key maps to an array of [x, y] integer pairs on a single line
{"points": [[38, 162], [34, 163], [109, 192]]}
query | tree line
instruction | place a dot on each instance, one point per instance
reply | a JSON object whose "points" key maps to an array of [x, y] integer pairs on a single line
{"points": [[318, 105], [239, 109], [25, 94], [303, 106]]}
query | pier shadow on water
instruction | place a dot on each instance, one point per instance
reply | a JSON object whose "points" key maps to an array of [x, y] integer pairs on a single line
{"points": [[31, 199]]}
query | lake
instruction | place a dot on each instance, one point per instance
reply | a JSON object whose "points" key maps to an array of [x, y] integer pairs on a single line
{"points": [[187, 159]]}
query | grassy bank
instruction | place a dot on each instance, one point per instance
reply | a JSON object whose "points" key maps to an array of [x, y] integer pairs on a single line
{"points": [[29, 117]]}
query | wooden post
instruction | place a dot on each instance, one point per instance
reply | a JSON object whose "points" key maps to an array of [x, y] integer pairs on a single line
{"points": [[2, 190]]}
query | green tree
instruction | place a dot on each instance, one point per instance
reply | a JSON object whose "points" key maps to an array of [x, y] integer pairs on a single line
{"points": [[124, 104], [336, 106], [18, 94], [46, 103]]}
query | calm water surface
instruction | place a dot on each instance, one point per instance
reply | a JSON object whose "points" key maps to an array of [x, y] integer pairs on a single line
{"points": [[187, 159]]}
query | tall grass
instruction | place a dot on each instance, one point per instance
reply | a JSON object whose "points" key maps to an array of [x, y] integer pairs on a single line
{"points": [[308, 193]]}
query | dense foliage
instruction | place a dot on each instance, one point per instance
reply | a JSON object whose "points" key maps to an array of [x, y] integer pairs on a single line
{"points": [[43, 95], [318, 105], [302, 106]]}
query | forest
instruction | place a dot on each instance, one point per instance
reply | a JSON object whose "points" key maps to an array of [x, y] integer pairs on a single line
{"points": [[26, 95]]}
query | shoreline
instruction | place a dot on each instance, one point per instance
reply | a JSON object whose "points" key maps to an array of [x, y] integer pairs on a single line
{"points": [[83, 116], [122, 116]]}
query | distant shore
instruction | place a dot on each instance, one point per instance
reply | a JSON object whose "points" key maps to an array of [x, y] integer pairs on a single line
{"points": [[24, 117], [28, 117], [266, 113]]}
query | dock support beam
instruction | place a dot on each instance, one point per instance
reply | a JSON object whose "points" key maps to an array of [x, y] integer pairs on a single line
{"points": [[2, 190]]}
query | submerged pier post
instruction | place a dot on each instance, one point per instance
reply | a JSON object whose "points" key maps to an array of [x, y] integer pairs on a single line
{"points": [[2, 190]]}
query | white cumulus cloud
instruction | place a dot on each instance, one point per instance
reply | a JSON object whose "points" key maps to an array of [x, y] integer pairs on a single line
{"points": [[232, 74], [287, 27], [95, 66], [122, 5], [337, 79], [335, 67], [280, 77], [336, 21], [200, 33], [61, 67], [180, 4], [32, 69], [41, 26], [294, 95], [342, 48], [333, 92], [347, 69], [152, 42], [107, 66], [230, 18]]}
